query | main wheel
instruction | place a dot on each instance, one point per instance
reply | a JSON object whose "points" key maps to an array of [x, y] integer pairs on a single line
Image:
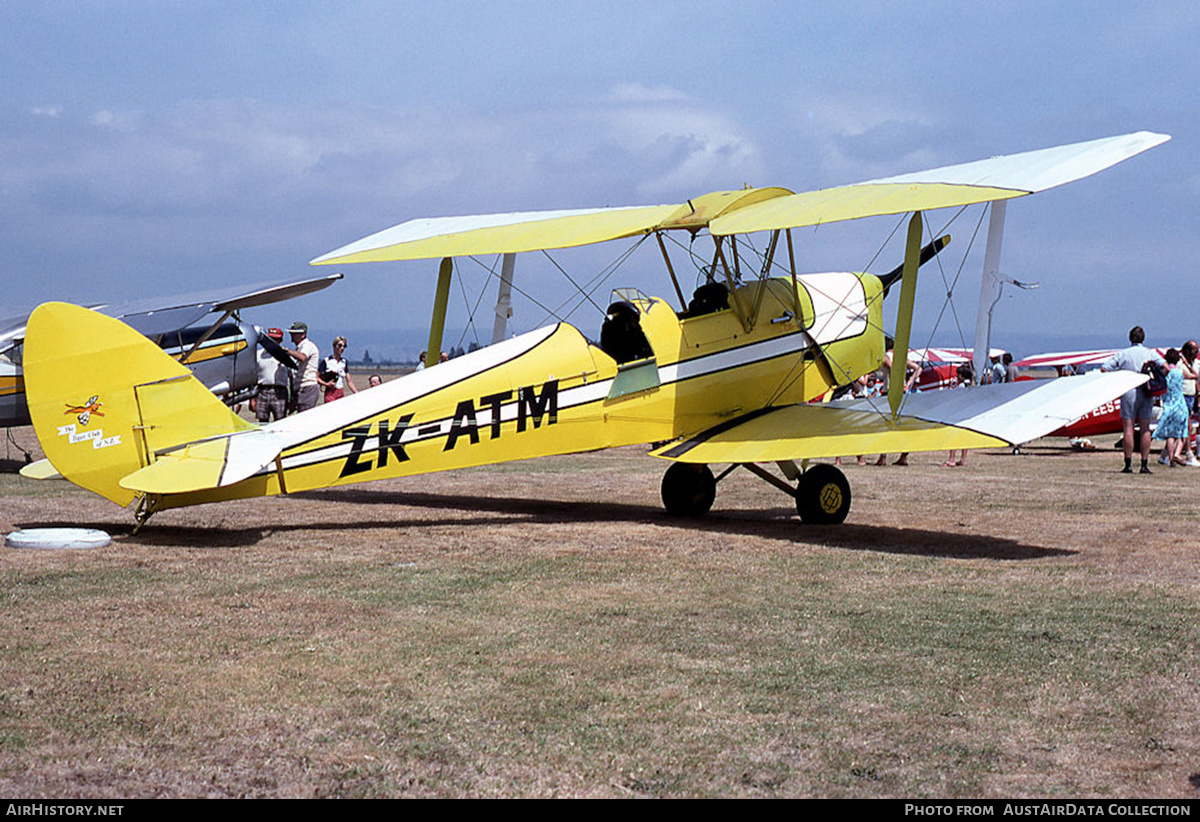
{"points": [[823, 495], [688, 490]]}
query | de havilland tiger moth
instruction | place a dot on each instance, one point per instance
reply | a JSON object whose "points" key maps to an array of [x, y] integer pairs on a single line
{"points": [[724, 378]]}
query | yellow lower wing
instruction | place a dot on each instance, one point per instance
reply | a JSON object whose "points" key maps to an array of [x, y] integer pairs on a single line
{"points": [[982, 417], [813, 431]]}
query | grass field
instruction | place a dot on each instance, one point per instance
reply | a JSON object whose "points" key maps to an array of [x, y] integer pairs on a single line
{"points": [[1024, 626]]}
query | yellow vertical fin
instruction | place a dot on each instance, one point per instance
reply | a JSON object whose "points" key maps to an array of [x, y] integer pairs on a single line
{"points": [[104, 399]]}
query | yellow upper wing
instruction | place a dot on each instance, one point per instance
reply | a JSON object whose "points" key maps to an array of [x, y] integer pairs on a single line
{"points": [[749, 210], [852, 202], [996, 178], [536, 230]]}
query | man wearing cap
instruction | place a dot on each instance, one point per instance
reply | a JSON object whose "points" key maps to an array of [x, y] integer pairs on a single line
{"points": [[272, 398], [305, 352]]}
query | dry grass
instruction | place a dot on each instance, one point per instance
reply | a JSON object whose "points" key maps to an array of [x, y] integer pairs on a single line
{"points": [[1024, 626]]}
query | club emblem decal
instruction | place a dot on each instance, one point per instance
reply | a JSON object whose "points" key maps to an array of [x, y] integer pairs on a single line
{"points": [[86, 411], [83, 415]]}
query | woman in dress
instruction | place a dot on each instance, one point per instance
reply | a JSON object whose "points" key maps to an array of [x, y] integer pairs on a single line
{"points": [[1172, 426]]}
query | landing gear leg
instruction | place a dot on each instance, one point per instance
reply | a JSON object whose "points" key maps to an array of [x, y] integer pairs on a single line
{"points": [[822, 493], [146, 508]]}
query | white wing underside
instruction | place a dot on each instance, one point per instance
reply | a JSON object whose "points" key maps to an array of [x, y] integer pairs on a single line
{"points": [[1035, 171], [1014, 412], [987, 416]]}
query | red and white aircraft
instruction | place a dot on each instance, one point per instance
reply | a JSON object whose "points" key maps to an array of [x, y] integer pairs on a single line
{"points": [[939, 366]]}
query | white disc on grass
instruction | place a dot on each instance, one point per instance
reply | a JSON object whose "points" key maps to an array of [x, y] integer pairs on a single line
{"points": [[57, 538]]}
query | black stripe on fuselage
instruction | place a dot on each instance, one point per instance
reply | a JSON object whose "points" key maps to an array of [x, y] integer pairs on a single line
{"points": [[439, 428], [435, 390]]}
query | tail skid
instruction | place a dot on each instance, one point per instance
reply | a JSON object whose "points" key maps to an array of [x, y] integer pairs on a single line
{"points": [[105, 401]]}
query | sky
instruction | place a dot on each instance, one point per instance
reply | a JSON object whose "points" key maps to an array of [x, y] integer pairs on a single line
{"points": [[152, 148]]}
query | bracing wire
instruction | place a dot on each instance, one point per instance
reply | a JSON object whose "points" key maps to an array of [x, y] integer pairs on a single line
{"points": [[593, 285], [798, 371], [471, 310], [949, 301], [747, 252], [559, 313], [516, 288]]}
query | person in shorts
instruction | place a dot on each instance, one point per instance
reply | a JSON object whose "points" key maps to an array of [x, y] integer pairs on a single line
{"points": [[272, 398], [1137, 407], [334, 374]]}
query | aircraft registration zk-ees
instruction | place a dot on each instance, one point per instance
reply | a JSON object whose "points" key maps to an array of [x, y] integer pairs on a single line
{"points": [[722, 378]]}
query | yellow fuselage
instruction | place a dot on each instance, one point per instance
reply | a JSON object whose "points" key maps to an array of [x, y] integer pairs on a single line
{"points": [[552, 391]]}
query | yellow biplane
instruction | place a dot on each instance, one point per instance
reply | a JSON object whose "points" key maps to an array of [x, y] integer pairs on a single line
{"points": [[723, 378]]}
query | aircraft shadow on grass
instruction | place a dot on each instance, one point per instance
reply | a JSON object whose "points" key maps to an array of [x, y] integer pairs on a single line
{"points": [[773, 523], [491, 512]]}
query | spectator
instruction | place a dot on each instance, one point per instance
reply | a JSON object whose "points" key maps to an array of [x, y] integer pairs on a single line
{"points": [[1010, 370], [304, 351], [374, 381], [334, 375], [1191, 377], [965, 377], [1137, 406], [912, 372], [995, 372], [1172, 425], [272, 397]]}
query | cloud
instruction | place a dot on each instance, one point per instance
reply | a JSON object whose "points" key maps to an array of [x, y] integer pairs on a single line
{"points": [[187, 187], [640, 93], [220, 191], [680, 146], [850, 135]]}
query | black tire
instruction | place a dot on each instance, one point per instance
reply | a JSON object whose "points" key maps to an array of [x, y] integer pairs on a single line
{"points": [[688, 490], [823, 495]]}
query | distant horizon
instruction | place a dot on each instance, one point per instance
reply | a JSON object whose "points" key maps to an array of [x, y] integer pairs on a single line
{"points": [[403, 346]]}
